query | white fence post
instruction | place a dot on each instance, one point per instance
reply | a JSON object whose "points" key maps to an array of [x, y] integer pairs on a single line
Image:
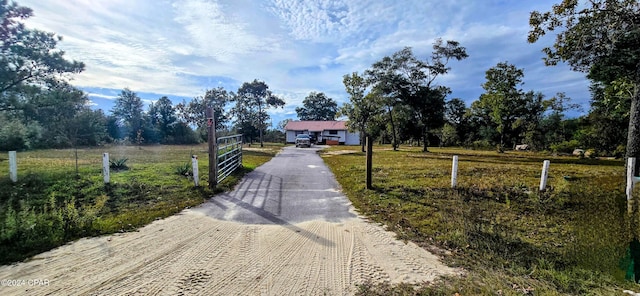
{"points": [[13, 166], [454, 172], [631, 178], [545, 174], [194, 168], [105, 167]]}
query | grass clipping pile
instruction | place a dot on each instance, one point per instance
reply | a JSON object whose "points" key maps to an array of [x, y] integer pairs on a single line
{"points": [[191, 253]]}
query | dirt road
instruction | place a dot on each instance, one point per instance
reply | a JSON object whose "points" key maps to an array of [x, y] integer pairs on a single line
{"points": [[253, 241]]}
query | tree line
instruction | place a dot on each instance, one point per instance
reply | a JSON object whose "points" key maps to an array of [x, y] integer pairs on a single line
{"points": [[399, 99], [39, 108]]}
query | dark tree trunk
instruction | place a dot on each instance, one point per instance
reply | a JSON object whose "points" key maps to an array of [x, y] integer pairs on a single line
{"points": [[261, 124], [394, 142], [261, 142], [425, 140], [633, 137], [363, 137]]}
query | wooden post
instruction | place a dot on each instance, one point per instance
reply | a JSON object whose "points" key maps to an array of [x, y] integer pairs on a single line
{"points": [[13, 166], [213, 151], [454, 172], [544, 175], [105, 167], [369, 161], [194, 168]]}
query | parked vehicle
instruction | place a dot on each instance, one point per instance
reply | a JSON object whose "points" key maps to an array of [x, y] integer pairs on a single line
{"points": [[303, 140]]}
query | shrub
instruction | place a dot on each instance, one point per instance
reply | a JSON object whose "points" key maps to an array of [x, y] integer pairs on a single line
{"points": [[13, 136], [481, 145], [565, 146], [119, 164], [184, 169]]}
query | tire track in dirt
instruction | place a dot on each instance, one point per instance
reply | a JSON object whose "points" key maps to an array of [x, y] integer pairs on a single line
{"points": [[193, 254], [179, 253], [180, 259], [310, 242], [286, 247], [87, 260]]}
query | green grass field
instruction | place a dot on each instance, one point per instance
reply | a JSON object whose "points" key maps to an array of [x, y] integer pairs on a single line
{"points": [[51, 204], [510, 238]]}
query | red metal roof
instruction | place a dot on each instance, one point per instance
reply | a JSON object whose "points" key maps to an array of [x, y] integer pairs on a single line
{"points": [[315, 126]]}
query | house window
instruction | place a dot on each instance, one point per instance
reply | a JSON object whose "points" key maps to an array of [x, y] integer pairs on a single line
{"points": [[333, 132]]}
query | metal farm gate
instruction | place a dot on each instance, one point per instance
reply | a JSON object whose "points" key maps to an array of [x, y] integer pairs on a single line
{"points": [[229, 151], [225, 153]]}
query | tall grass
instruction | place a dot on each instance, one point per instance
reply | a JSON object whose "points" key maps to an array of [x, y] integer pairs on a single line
{"points": [[51, 205], [510, 238]]}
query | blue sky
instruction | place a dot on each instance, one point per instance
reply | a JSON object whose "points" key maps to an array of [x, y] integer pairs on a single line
{"points": [[181, 48]]}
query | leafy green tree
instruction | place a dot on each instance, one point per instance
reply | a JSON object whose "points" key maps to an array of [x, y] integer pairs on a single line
{"points": [[454, 115], [128, 112], [605, 127], [113, 128], [57, 114], [274, 136], [194, 112], [599, 37], [184, 134], [317, 106], [244, 118], [88, 128], [482, 128], [528, 125], [252, 102], [27, 56], [428, 108], [383, 77], [554, 124], [163, 118], [448, 135], [361, 108], [405, 79], [55, 110], [503, 99], [16, 135]]}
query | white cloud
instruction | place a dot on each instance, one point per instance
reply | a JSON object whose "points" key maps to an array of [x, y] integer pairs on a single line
{"points": [[103, 96], [175, 47]]}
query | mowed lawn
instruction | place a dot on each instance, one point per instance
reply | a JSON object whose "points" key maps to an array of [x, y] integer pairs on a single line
{"points": [[51, 204], [510, 238]]}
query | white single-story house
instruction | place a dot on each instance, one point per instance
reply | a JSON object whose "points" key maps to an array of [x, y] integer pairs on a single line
{"points": [[325, 132]]}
